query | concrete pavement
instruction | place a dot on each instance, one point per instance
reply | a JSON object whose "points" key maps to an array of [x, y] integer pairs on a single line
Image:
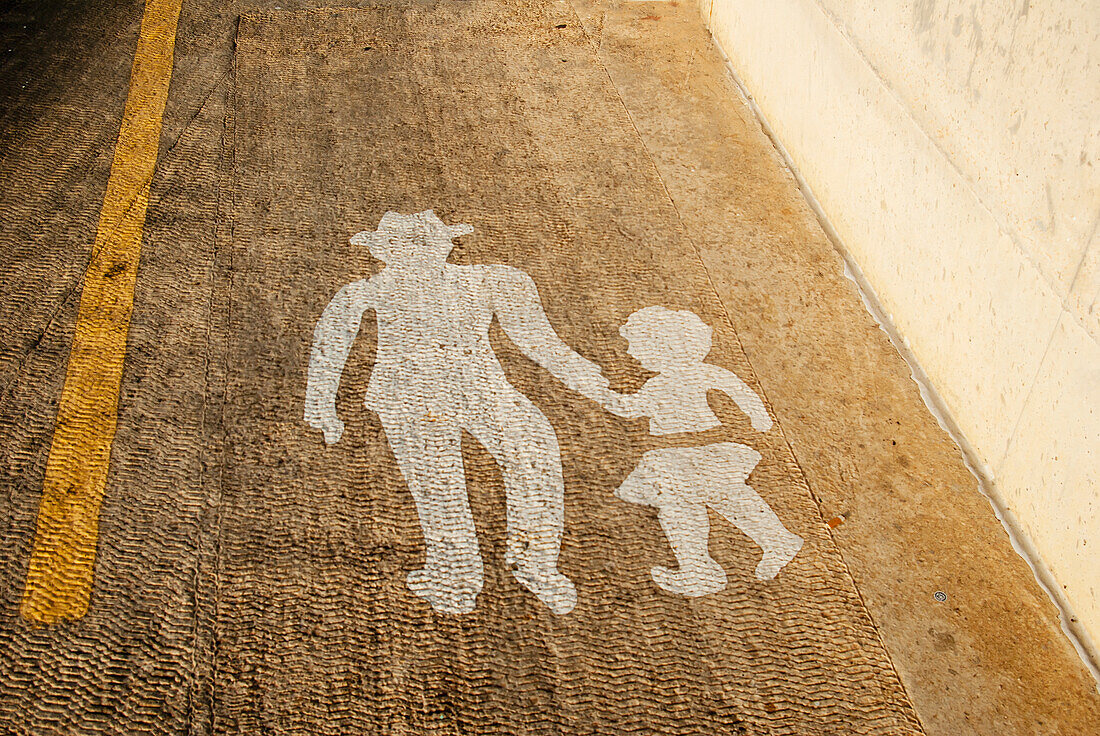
{"points": [[249, 578]]}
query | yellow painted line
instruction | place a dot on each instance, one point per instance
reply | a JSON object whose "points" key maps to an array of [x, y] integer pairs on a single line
{"points": [[59, 580]]}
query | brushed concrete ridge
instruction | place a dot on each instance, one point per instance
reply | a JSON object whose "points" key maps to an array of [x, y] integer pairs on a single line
{"points": [[485, 371]]}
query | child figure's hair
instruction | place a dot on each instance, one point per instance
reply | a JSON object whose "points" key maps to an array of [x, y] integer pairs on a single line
{"points": [[666, 337]]}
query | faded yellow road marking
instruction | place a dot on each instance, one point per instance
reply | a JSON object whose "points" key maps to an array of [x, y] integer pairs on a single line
{"points": [[59, 581]]}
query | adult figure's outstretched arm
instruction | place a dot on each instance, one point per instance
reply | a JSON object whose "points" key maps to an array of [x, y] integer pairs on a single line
{"points": [[519, 310], [332, 340]]}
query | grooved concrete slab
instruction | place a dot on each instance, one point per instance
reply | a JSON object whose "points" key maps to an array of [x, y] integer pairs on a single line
{"points": [[501, 117]]}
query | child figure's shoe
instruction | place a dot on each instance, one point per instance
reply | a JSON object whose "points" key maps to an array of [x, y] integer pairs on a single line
{"points": [[776, 558], [693, 582]]}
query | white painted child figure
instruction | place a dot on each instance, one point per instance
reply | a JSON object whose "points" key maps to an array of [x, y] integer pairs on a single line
{"points": [[681, 482]]}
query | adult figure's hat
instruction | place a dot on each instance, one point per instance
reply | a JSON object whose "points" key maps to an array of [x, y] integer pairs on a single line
{"points": [[395, 224]]}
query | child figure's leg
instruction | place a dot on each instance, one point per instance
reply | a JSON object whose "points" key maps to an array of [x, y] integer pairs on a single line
{"points": [[745, 509], [688, 530]]}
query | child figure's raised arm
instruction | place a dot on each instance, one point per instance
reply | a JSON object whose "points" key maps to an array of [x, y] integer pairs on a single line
{"points": [[745, 398]]}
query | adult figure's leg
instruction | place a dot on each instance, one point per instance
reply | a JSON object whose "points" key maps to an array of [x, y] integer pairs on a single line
{"points": [[523, 443], [429, 454]]}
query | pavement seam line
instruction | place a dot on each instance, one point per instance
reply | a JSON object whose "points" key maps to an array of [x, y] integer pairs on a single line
{"points": [[59, 577], [224, 232]]}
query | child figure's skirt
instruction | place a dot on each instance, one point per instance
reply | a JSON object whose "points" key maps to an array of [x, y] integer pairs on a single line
{"points": [[706, 474]]}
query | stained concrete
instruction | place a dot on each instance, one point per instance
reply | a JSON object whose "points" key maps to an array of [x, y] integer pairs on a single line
{"points": [[191, 616]]}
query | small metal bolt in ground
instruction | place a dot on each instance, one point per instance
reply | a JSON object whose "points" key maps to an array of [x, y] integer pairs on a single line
{"points": [[940, 596]]}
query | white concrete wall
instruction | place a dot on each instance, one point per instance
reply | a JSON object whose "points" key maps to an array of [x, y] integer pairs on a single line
{"points": [[955, 147]]}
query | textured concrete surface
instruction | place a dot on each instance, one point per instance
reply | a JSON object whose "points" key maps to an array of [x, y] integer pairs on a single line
{"points": [[250, 580]]}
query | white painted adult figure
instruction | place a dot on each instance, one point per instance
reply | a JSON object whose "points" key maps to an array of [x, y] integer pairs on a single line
{"points": [[436, 374]]}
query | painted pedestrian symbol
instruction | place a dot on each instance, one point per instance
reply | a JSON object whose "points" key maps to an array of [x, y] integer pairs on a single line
{"points": [[435, 374], [682, 482]]}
